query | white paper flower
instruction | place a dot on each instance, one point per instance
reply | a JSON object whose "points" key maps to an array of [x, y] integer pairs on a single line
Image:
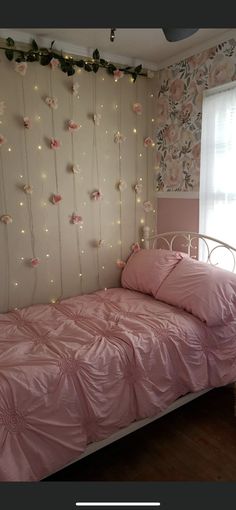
{"points": [[97, 118], [150, 74], [75, 169], [148, 207], [2, 107], [122, 185], [28, 189], [75, 89], [27, 122], [138, 188], [148, 142], [21, 67], [119, 138], [137, 108], [52, 102]]}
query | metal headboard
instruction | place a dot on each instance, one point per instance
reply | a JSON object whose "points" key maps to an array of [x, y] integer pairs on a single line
{"points": [[191, 243]]}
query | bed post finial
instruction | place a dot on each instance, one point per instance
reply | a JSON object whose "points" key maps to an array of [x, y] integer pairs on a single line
{"points": [[146, 234]]}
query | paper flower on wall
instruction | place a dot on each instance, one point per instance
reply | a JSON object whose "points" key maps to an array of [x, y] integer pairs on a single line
{"points": [[137, 108], [138, 188], [148, 142], [97, 119], [135, 247], [150, 74], [54, 63], [120, 263], [122, 185], [119, 138], [101, 243], [56, 198], [118, 74], [52, 102], [2, 107], [27, 123], [76, 219], [2, 140], [75, 89], [148, 207], [34, 262], [73, 126], [6, 218], [96, 195], [75, 169], [28, 189], [54, 143], [21, 68]]}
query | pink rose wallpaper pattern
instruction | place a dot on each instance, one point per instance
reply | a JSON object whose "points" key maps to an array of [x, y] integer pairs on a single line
{"points": [[179, 114]]}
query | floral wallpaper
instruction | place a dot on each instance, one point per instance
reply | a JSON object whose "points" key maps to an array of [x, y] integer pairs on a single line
{"points": [[179, 112]]}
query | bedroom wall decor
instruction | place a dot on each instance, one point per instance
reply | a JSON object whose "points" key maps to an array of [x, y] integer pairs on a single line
{"points": [[76, 179]]}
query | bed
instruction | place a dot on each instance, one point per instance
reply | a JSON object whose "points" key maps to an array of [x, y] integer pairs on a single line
{"points": [[79, 374]]}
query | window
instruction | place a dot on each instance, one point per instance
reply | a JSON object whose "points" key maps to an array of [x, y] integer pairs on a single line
{"points": [[218, 167]]}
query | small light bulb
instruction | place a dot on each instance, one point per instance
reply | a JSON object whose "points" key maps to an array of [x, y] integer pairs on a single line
{"points": [[21, 176], [142, 221], [106, 132], [153, 120], [51, 281], [47, 255], [140, 178], [153, 144], [110, 245], [134, 130], [39, 147], [116, 80], [66, 56], [81, 227], [22, 231], [151, 95], [53, 300], [105, 288], [44, 176], [103, 267], [36, 87], [140, 155], [21, 203], [104, 180], [103, 78], [120, 157], [154, 210], [118, 222], [46, 229], [80, 275], [117, 107], [82, 251], [22, 258], [9, 149], [142, 240], [101, 105], [37, 117], [138, 200], [16, 284]]}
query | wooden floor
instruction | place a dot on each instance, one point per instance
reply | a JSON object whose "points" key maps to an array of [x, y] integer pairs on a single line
{"points": [[196, 442]]}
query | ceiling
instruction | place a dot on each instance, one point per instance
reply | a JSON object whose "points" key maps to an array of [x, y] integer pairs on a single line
{"points": [[131, 46]]}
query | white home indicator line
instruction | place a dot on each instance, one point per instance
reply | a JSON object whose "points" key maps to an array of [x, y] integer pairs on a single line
{"points": [[117, 503]]}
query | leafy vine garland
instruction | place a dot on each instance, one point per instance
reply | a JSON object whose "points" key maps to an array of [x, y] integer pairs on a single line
{"points": [[67, 64]]}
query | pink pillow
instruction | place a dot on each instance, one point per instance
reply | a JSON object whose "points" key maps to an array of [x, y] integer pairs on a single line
{"points": [[146, 269], [205, 291]]}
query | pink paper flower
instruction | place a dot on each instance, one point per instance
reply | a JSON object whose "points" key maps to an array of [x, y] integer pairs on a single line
{"points": [[119, 138], [6, 218], [56, 199], [138, 188], [73, 126], [120, 263], [122, 185], [55, 144], [54, 63], [96, 195], [148, 142], [52, 102], [28, 189], [76, 219], [2, 140], [148, 207], [75, 89], [75, 169], [27, 123], [2, 107], [34, 262], [137, 108], [135, 247], [118, 74], [21, 67]]}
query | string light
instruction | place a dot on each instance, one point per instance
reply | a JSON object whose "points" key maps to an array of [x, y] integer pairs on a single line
{"points": [[110, 245], [140, 178], [16, 284], [103, 79], [46, 229], [39, 147], [44, 176], [82, 251], [51, 281], [80, 275], [105, 288], [154, 210], [142, 240], [9, 149], [36, 87], [22, 231], [47, 255], [37, 117], [106, 132], [101, 105], [134, 130], [21, 176], [153, 120], [21, 203], [138, 200], [118, 222], [142, 221], [22, 258], [53, 300], [140, 155], [151, 95], [103, 267]]}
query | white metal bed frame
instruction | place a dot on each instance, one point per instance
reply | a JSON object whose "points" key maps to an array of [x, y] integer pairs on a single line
{"points": [[168, 238]]}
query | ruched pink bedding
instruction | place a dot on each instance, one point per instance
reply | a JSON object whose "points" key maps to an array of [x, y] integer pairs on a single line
{"points": [[77, 371]]}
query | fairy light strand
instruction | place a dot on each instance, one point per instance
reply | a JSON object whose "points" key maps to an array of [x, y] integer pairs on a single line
{"points": [[4, 202], [28, 198], [57, 190], [95, 159]]}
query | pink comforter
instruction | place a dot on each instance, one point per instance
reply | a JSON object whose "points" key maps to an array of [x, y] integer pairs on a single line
{"points": [[77, 371]]}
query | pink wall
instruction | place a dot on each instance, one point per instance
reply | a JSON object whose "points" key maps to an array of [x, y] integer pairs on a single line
{"points": [[177, 214]]}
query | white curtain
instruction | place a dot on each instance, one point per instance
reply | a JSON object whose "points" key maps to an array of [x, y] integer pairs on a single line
{"points": [[218, 168]]}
